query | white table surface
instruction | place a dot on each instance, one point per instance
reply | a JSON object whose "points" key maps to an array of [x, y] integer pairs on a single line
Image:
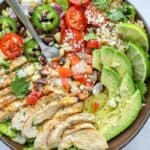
{"points": [[142, 140]]}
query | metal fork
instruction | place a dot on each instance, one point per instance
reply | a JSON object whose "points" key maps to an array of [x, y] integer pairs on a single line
{"points": [[48, 52]]}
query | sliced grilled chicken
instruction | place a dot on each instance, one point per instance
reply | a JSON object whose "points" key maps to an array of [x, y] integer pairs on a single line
{"points": [[6, 100], [42, 137], [87, 139], [55, 136], [52, 108], [5, 91], [30, 131], [8, 112], [20, 117], [19, 61], [78, 127], [5, 81]]}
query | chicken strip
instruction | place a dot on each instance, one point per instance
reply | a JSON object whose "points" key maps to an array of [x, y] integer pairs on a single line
{"points": [[79, 127], [6, 100], [19, 61], [20, 117], [5, 91], [4, 81], [8, 112], [29, 130], [87, 139], [55, 136], [42, 138]]}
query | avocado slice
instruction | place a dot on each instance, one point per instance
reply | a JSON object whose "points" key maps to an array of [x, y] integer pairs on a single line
{"points": [[127, 87], [107, 54], [122, 64], [100, 100], [111, 80], [96, 59], [117, 121], [114, 58]]}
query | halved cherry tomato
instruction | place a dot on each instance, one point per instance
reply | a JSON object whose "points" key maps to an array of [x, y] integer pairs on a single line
{"points": [[64, 72], [11, 45], [75, 18], [74, 39], [93, 44], [34, 96], [74, 59], [95, 106], [65, 83], [79, 2]]}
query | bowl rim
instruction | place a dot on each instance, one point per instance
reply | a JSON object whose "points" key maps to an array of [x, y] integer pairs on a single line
{"points": [[142, 117]]}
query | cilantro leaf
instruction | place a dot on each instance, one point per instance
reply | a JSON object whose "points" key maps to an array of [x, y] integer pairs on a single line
{"points": [[102, 4], [20, 87], [90, 36], [115, 15]]}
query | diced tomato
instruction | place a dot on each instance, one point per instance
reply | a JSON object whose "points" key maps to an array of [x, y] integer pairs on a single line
{"points": [[83, 95], [64, 72], [89, 84], [11, 45], [93, 44], [74, 59], [79, 2], [88, 51], [89, 59], [74, 39], [95, 106], [34, 96], [65, 83], [80, 78], [75, 18]]}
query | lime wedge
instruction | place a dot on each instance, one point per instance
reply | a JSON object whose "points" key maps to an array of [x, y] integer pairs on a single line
{"points": [[140, 61], [134, 33]]}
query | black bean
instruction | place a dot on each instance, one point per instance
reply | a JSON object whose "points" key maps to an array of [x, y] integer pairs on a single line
{"points": [[42, 60], [62, 60], [49, 39], [22, 31]]}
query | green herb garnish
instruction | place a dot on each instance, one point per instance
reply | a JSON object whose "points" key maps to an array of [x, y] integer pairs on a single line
{"points": [[20, 87], [102, 4]]}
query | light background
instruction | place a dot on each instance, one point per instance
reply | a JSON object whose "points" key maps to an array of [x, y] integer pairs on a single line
{"points": [[142, 140]]}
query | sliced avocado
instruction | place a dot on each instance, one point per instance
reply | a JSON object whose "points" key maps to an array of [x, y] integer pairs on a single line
{"points": [[122, 64], [127, 87], [96, 60], [111, 80], [100, 100], [117, 121], [107, 54]]}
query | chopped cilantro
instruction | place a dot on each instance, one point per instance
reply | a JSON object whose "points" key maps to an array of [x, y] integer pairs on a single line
{"points": [[102, 4], [20, 87], [90, 36]]}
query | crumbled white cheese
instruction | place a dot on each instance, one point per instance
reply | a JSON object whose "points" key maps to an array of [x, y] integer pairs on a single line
{"points": [[112, 102]]}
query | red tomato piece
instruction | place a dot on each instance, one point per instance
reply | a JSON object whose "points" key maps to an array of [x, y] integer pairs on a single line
{"points": [[65, 83], [11, 45], [34, 96], [64, 72], [75, 18], [62, 25], [74, 39], [80, 78], [79, 2], [93, 44], [95, 106], [74, 59]]}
